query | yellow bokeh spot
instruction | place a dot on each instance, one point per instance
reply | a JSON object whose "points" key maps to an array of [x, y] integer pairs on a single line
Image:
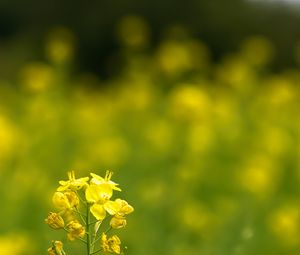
{"points": [[156, 193], [175, 57], [236, 73], [257, 51], [133, 31], [8, 137], [259, 176], [15, 244], [190, 102], [200, 138], [160, 134], [37, 77], [285, 224], [110, 151], [60, 45], [198, 219]]}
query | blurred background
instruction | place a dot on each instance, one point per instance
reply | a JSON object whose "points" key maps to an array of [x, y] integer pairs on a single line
{"points": [[193, 104]]}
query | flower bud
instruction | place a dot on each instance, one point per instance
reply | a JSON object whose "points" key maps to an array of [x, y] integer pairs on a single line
{"points": [[60, 200], [69, 215], [76, 230], [72, 198], [55, 221], [56, 249], [111, 244], [118, 222]]}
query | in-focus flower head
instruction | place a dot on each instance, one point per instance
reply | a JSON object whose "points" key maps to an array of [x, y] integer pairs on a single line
{"points": [[111, 244], [76, 201], [73, 183]]}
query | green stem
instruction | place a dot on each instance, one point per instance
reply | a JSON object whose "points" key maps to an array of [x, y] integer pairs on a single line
{"points": [[80, 198], [88, 236], [94, 222], [81, 215], [109, 229], [96, 240], [96, 252]]}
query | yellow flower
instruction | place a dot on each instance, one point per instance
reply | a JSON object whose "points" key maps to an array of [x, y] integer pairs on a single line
{"points": [[99, 195], [118, 208], [55, 221], [72, 198], [69, 215], [73, 183], [56, 249], [51, 251], [60, 200], [75, 230], [111, 244], [66, 200], [98, 180], [118, 222]]}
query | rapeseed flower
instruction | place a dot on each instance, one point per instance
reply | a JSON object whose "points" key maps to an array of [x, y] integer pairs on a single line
{"points": [[77, 200], [56, 248], [118, 208], [99, 195], [75, 230], [73, 183], [118, 222], [55, 221], [111, 244], [98, 180], [66, 200]]}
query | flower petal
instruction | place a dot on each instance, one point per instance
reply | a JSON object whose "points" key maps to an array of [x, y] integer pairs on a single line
{"points": [[98, 211], [112, 207]]}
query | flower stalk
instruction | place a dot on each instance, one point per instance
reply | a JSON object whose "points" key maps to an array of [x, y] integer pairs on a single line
{"points": [[94, 196], [88, 236]]}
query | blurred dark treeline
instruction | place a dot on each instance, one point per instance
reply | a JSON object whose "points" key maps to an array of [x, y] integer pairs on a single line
{"points": [[222, 25]]}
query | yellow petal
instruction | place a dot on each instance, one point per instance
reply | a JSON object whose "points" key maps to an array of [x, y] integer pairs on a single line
{"points": [[98, 193], [127, 209], [112, 207], [92, 194], [99, 178], [98, 211]]}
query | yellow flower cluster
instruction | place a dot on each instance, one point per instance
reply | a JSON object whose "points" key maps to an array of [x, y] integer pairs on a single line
{"points": [[80, 200]]}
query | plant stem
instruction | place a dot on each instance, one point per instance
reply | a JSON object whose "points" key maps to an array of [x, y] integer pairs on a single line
{"points": [[96, 252], [96, 240], [88, 236], [81, 215]]}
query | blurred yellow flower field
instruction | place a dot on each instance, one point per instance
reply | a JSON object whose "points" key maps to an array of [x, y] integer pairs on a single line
{"points": [[208, 151]]}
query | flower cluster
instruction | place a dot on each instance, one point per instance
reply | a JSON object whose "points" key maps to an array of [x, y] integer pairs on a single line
{"points": [[82, 204]]}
